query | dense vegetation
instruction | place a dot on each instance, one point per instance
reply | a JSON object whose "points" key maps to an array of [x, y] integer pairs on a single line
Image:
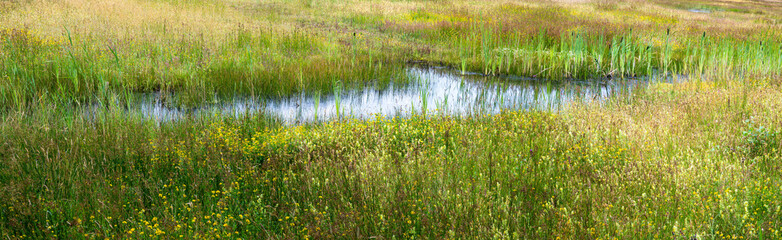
{"points": [[693, 159]]}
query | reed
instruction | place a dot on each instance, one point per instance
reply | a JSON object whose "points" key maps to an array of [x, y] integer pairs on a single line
{"points": [[697, 159], [424, 94], [337, 96], [317, 105]]}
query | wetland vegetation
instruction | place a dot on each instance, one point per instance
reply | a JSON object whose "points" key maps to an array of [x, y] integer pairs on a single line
{"points": [[688, 146]]}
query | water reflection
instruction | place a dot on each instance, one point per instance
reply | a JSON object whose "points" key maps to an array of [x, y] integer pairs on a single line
{"points": [[695, 10], [432, 91]]}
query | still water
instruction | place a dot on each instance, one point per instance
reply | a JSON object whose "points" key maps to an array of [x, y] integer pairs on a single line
{"points": [[431, 91]]}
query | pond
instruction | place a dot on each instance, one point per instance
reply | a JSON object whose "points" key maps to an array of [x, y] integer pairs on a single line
{"points": [[696, 10], [431, 91]]}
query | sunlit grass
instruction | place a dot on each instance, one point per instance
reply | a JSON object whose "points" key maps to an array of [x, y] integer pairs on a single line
{"points": [[214, 49], [697, 159], [694, 159]]}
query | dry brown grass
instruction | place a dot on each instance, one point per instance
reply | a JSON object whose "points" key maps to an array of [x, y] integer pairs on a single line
{"points": [[118, 20], [215, 19], [698, 116]]}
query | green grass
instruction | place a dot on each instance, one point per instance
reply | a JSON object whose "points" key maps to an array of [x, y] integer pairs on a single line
{"points": [[73, 72], [81, 66], [698, 159], [515, 174]]}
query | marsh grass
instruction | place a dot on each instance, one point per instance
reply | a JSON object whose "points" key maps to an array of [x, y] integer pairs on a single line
{"points": [[698, 159], [575, 55], [74, 70], [337, 85], [614, 172], [207, 63]]}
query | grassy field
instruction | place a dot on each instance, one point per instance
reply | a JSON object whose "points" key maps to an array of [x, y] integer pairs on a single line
{"points": [[84, 51], [693, 160]]}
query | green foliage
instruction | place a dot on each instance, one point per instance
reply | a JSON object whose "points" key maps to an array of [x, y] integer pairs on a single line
{"points": [[77, 162], [515, 175], [759, 140]]}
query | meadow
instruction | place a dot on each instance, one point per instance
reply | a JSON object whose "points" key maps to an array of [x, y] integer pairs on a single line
{"points": [[698, 159]]}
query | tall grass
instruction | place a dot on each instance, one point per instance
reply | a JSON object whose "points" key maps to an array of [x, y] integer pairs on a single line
{"points": [[577, 55], [610, 173], [698, 159], [262, 62], [76, 69], [337, 85]]}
